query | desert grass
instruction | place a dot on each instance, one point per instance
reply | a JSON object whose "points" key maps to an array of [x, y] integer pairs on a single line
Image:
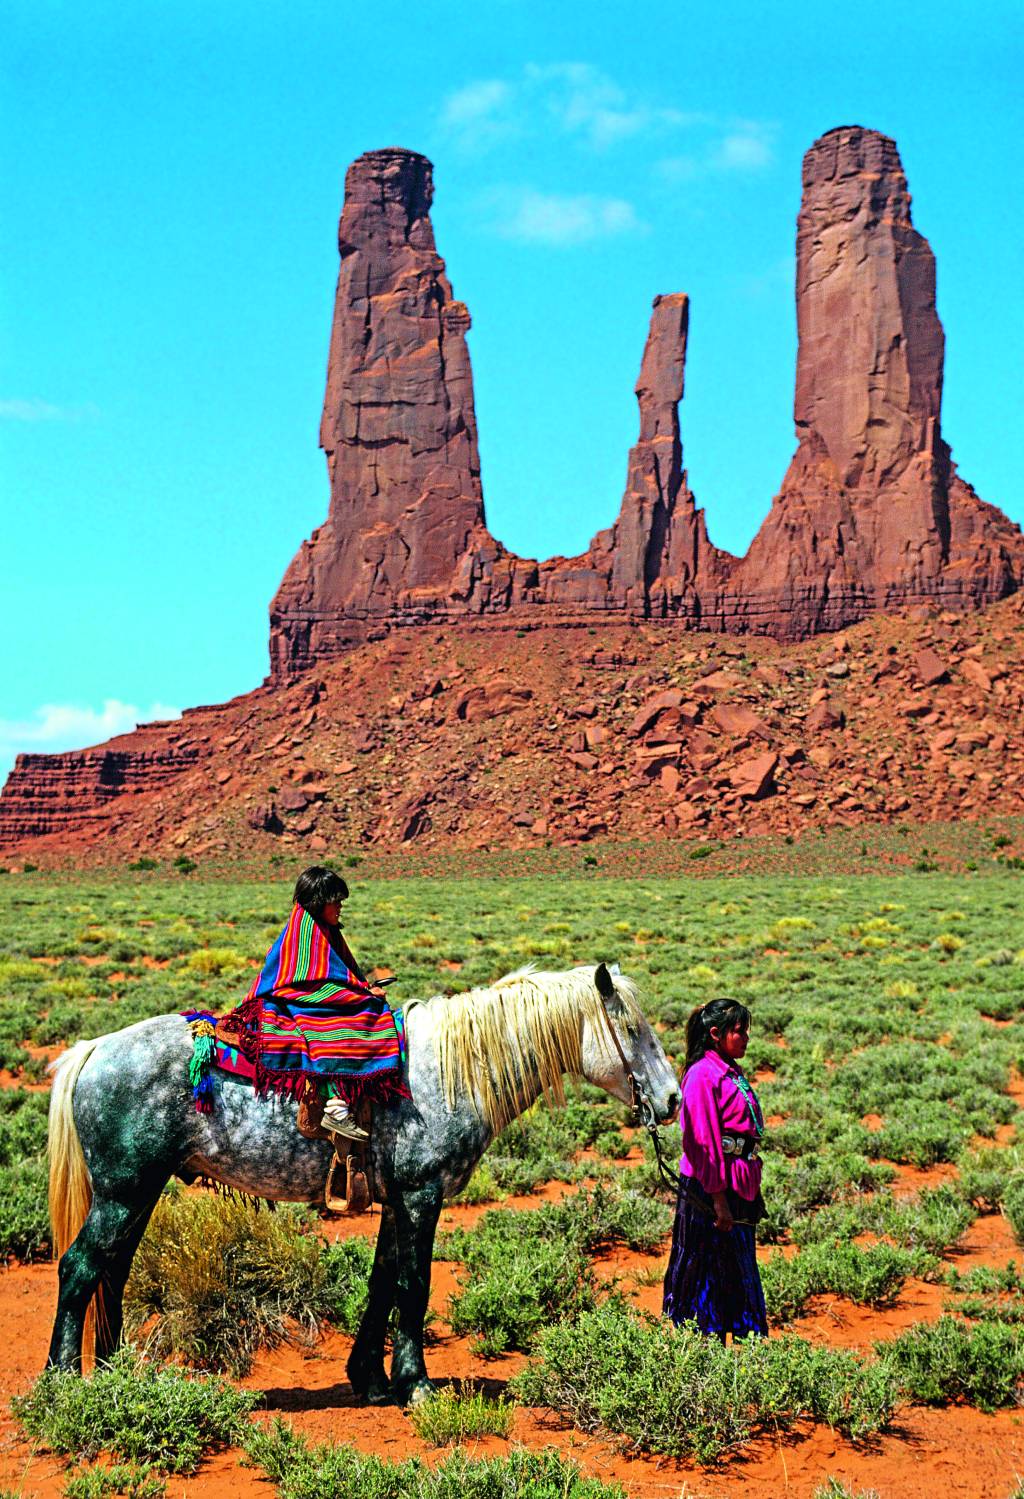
{"points": [[887, 1032]]}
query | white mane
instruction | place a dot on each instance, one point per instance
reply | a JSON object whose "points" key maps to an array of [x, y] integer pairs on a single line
{"points": [[519, 1037]]}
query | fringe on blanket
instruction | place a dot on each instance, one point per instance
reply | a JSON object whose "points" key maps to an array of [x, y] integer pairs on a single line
{"points": [[387, 1088], [243, 1023], [235, 1194]]}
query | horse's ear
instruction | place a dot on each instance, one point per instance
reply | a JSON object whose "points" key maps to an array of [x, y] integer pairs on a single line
{"points": [[603, 980]]}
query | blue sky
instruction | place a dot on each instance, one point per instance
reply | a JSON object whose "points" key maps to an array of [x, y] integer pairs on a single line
{"points": [[172, 181]]}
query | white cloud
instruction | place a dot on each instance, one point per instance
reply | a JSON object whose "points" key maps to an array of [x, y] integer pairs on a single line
{"points": [[480, 114], [745, 150], [560, 219], [584, 101], [19, 409], [69, 726], [585, 104], [727, 146]]}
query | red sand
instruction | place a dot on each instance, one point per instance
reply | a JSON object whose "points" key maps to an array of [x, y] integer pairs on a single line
{"points": [[955, 1450]]}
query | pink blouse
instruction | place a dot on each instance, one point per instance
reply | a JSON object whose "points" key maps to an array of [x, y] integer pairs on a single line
{"points": [[712, 1102]]}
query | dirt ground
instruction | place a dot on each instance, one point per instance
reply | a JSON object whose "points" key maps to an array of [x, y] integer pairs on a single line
{"points": [[949, 1451]]}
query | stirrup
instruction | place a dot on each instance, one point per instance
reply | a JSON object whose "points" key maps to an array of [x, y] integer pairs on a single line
{"points": [[355, 1185]]}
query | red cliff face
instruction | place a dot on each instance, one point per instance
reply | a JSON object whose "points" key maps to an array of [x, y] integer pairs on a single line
{"points": [[871, 513], [73, 793], [405, 540], [398, 427]]}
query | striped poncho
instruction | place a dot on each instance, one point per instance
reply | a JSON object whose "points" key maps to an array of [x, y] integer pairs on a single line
{"points": [[311, 1020]]}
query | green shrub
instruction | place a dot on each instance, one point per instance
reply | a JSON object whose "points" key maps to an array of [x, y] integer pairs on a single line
{"points": [[301, 1471], [594, 1218], [985, 1174], [346, 1267], [612, 1142], [453, 1416], [24, 1214], [23, 1122], [481, 1187], [833, 1488], [137, 1411], [794, 1188], [211, 962], [1013, 1205], [954, 1360], [516, 1284], [223, 1280], [119, 1478], [603, 1216], [672, 1390], [933, 1221], [872, 1277]]}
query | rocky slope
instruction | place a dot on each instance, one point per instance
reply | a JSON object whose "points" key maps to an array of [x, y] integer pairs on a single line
{"points": [[496, 737], [871, 514], [563, 700]]}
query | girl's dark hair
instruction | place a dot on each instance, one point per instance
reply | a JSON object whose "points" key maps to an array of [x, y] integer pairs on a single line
{"points": [[725, 1014], [317, 887]]}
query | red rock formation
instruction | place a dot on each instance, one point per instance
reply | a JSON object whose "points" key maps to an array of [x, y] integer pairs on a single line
{"points": [[871, 514], [493, 743], [70, 793], [398, 426], [405, 540], [656, 557]]}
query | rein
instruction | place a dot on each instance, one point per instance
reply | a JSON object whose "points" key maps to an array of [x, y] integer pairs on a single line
{"points": [[642, 1107]]}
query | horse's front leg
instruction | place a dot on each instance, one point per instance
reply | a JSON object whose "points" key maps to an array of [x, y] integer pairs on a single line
{"points": [[416, 1214], [366, 1361]]}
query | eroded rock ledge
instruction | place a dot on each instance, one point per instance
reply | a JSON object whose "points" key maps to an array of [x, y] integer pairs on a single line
{"points": [[871, 514]]}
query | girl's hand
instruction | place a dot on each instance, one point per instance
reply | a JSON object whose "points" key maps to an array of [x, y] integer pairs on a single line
{"points": [[723, 1217]]}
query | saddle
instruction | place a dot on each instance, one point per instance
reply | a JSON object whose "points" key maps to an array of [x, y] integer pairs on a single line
{"points": [[347, 1188]]}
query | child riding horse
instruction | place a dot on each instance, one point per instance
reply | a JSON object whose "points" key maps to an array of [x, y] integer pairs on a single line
{"points": [[311, 1022]]}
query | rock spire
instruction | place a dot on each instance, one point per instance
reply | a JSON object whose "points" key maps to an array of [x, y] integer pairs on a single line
{"points": [[870, 515]]}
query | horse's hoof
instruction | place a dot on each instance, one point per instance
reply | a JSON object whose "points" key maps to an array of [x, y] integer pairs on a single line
{"points": [[375, 1391], [421, 1391]]}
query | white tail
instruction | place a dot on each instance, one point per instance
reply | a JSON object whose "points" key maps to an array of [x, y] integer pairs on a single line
{"points": [[70, 1183]]}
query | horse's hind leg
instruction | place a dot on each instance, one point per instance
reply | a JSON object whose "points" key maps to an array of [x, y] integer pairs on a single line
{"points": [[110, 1326], [366, 1361], [416, 1215], [95, 1256]]}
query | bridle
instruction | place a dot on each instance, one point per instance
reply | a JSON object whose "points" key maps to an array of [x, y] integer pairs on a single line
{"points": [[642, 1107]]}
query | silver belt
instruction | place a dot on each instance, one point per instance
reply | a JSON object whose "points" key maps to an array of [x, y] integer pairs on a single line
{"points": [[737, 1145]]}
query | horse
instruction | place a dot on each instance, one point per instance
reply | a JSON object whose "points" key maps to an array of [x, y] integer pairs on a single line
{"points": [[123, 1123]]}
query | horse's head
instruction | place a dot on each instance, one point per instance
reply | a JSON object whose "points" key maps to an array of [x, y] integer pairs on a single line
{"points": [[638, 1047]]}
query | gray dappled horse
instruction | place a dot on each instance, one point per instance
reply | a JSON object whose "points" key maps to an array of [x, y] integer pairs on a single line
{"points": [[123, 1122]]}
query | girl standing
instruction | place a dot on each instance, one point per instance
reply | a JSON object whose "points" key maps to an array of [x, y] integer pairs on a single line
{"points": [[712, 1277]]}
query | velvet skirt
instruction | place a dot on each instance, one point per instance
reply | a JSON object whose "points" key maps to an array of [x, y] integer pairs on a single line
{"points": [[712, 1277]]}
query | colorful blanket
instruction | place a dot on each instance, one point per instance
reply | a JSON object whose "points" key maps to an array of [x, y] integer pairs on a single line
{"points": [[310, 1020]]}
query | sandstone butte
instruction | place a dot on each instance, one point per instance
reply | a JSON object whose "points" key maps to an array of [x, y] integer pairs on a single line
{"points": [[871, 521], [871, 514]]}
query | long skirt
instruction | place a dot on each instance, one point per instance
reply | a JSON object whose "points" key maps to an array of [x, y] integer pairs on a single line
{"points": [[712, 1277]]}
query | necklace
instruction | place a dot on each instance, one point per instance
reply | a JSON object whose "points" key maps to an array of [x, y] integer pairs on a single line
{"points": [[750, 1098]]}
